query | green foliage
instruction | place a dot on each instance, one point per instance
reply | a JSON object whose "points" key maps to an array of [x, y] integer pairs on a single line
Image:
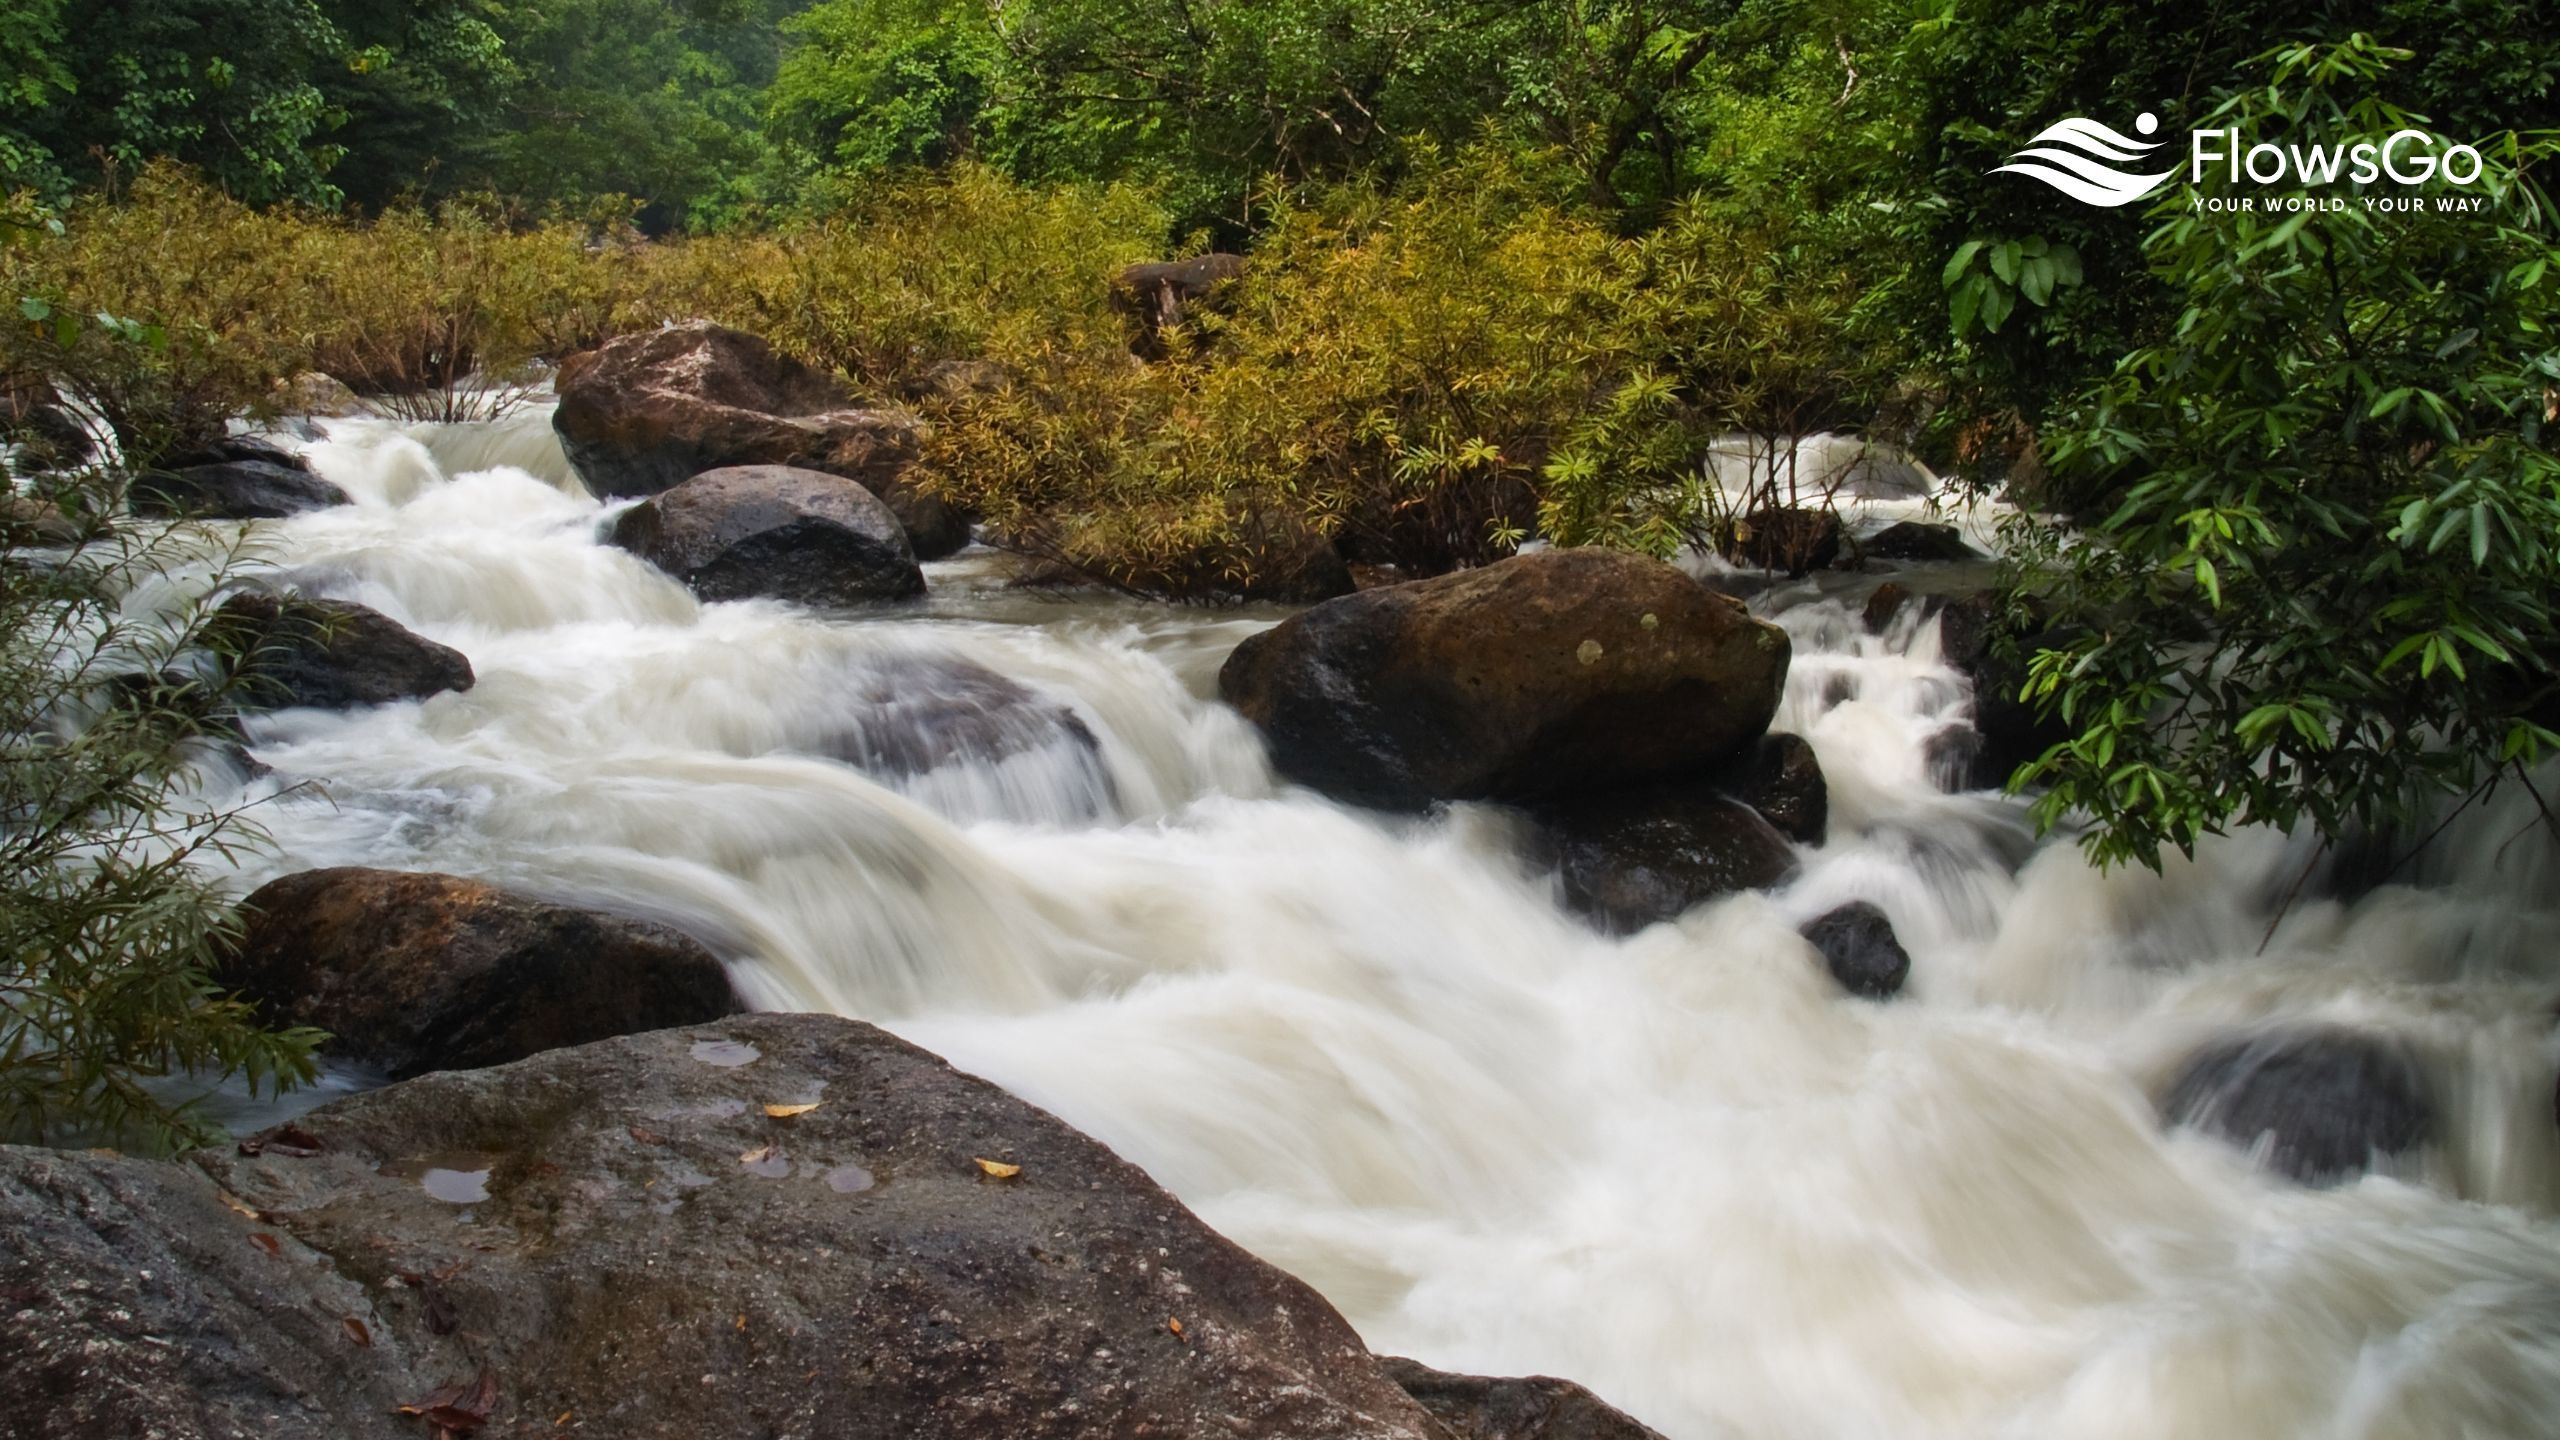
{"points": [[2325, 592], [112, 691]]}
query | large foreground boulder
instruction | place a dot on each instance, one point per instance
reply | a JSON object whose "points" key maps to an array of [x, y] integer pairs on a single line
{"points": [[1545, 674], [2325, 1102], [333, 654], [776, 531], [645, 413], [417, 972], [792, 1226]]}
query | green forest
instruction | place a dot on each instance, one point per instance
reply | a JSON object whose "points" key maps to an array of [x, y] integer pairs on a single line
{"points": [[2289, 532]]}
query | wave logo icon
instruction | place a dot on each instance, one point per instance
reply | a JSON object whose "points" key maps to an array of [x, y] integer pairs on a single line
{"points": [[2073, 157]]}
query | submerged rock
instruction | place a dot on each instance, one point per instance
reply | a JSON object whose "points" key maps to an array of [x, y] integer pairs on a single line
{"points": [[776, 531], [914, 714], [2325, 1101], [1535, 1407], [1860, 950], [1788, 539], [1634, 858], [332, 654], [1552, 673], [646, 413], [417, 972], [623, 1235]]}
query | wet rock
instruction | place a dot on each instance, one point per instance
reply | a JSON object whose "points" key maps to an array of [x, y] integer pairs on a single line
{"points": [[45, 435], [1972, 623], [913, 714], [1558, 672], [253, 487], [1536, 1407], [657, 1257], [776, 531], [1635, 858], [331, 654], [28, 520], [645, 413], [2325, 1101], [1859, 948], [1788, 539], [1916, 540], [417, 972], [236, 449], [1158, 295], [1782, 780]]}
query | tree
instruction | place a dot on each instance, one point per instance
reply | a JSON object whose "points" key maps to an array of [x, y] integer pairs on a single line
{"points": [[2325, 589]]}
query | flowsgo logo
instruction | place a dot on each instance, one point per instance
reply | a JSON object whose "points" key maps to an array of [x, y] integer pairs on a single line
{"points": [[2080, 158]]}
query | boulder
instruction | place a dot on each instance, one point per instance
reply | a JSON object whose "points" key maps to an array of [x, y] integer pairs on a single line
{"points": [[645, 413], [1550, 673], [2326, 1102], [314, 394], [30, 521], [775, 531], [1634, 858], [1860, 950], [1158, 295], [253, 487], [1535, 1407], [627, 1239], [1916, 540], [331, 654], [1782, 779], [45, 435], [1787, 539], [417, 972]]}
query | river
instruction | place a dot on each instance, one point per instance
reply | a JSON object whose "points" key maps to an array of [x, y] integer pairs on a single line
{"points": [[1681, 1167]]}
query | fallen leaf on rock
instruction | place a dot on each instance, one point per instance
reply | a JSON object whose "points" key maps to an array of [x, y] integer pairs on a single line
{"points": [[267, 1242], [288, 1140], [238, 1206], [356, 1330], [742, 1319], [785, 1112], [458, 1407], [997, 1168], [1173, 1324], [564, 1417], [646, 1136], [758, 1155]]}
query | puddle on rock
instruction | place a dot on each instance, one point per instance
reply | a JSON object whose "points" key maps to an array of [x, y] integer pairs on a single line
{"points": [[849, 1180], [768, 1163], [457, 1179], [727, 1054]]}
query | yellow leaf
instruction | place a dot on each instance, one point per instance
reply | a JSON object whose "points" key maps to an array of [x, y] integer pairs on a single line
{"points": [[785, 1112], [1173, 1325], [757, 1155], [998, 1168]]}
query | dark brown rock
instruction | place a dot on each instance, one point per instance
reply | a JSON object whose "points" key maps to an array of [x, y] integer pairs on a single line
{"points": [[1782, 779], [1159, 294], [417, 972], [657, 1258], [331, 654], [1860, 950], [1917, 540], [233, 481], [1634, 858], [776, 531], [1788, 539], [1535, 1407], [1558, 672], [645, 413]]}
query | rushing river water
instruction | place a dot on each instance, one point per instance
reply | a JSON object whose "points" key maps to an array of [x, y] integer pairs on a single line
{"points": [[1682, 1167]]}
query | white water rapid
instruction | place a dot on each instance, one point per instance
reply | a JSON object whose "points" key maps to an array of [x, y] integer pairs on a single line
{"points": [[1682, 1168]]}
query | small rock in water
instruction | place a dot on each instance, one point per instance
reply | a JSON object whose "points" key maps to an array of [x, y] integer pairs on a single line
{"points": [[1860, 949], [2327, 1102], [1916, 540], [1535, 1407]]}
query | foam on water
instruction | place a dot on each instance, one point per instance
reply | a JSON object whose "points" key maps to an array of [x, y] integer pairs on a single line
{"points": [[1680, 1167]]}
